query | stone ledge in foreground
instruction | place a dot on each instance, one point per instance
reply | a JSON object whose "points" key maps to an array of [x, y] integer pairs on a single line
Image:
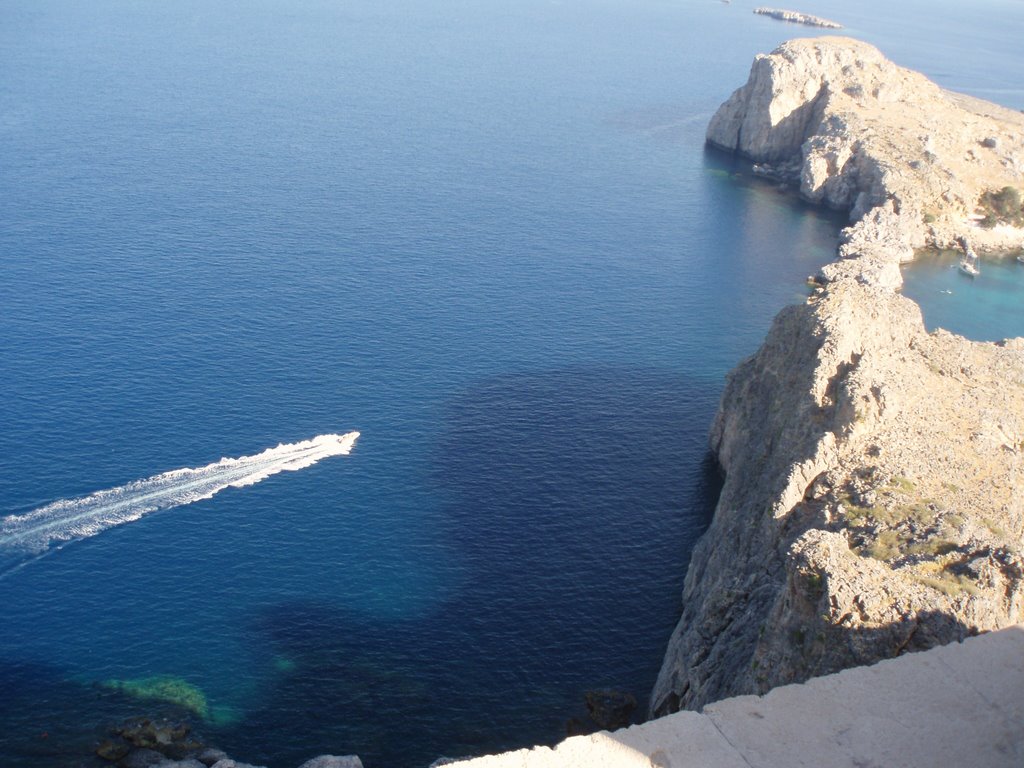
{"points": [[960, 704]]}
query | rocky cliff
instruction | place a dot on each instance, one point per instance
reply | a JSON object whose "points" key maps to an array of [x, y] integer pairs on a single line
{"points": [[873, 501]]}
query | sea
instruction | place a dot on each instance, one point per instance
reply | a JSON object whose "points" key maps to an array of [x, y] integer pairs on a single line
{"points": [[488, 237]]}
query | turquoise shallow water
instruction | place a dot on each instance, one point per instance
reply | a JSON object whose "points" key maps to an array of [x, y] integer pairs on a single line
{"points": [[989, 307], [486, 236]]}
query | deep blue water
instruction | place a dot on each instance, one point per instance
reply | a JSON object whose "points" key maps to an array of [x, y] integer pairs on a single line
{"points": [[485, 235]]}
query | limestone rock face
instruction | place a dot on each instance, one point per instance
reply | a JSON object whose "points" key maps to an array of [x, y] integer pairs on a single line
{"points": [[804, 88], [873, 501]]}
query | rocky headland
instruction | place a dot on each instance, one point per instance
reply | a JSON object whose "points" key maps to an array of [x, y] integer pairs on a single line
{"points": [[874, 500], [796, 17]]}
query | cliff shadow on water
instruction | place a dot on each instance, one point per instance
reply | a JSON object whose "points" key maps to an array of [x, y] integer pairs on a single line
{"points": [[564, 548], [768, 243], [775, 188], [567, 552]]}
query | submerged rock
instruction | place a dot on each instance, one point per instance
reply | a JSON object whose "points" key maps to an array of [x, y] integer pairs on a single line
{"points": [[209, 756], [141, 758], [172, 690], [153, 734], [112, 750]]}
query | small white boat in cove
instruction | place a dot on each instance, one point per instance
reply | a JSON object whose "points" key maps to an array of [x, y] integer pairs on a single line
{"points": [[969, 261], [970, 266]]}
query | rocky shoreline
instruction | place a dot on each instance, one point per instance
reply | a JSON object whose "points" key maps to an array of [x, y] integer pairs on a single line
{"points": [[144, 742], [873, 501], [171, 739]]}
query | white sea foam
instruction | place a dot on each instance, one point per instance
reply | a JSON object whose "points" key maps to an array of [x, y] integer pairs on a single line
{"points": [[68, 520]]}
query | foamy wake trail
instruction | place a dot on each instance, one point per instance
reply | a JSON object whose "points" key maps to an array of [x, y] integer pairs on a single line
{"points": [[49, 527]]}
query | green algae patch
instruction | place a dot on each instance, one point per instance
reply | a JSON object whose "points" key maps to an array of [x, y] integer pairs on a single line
{"points": [[171, 690]]}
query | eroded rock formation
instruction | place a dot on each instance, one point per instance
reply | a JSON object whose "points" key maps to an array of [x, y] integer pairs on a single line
{"points": [[874, 498]]}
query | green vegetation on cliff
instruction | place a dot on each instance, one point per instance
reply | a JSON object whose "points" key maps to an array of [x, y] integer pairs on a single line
{"points": [[1002, 207]]}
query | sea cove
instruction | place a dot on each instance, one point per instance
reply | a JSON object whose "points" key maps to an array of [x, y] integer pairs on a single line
{"points": [[987, 308], [488, 239]]}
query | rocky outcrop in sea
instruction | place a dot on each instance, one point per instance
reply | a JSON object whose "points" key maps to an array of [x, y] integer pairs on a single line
{"points": [[874, 498], [796, 17]]}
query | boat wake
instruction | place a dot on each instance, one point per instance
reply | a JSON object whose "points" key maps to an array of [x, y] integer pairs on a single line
{"points": [[28, 536]]}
